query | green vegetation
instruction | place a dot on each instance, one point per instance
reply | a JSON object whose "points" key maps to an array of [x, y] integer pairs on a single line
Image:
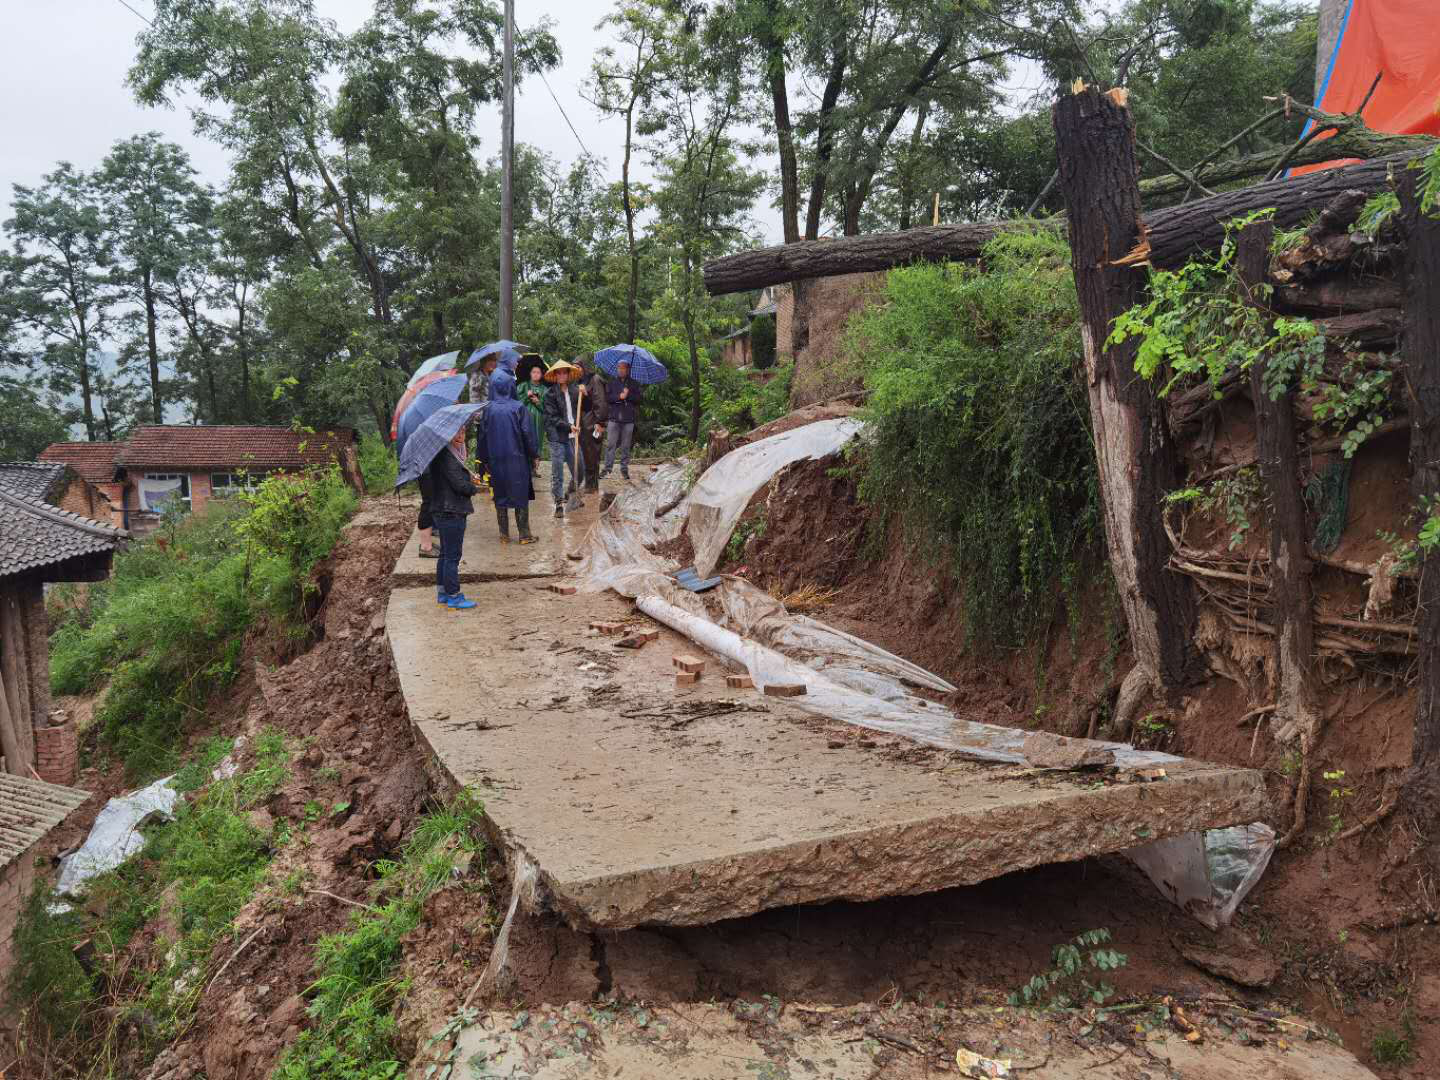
{"points": [[168, 628], [1233, 497], [1065, 984], [354, 1033], [192, 876], [1391, 1047], [979, 430], [378, 466]]}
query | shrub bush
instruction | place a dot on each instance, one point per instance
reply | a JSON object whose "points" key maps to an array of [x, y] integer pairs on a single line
{"points": [[168, 628], [979, 432], [378, 466]]}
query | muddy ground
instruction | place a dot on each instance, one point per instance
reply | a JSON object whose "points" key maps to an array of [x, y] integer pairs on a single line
{"points": [[928, 973]]}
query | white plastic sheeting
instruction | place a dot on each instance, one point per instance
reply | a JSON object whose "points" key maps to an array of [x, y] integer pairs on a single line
{"points": [[1207, 875], [116, 835], [720, 496], [847, 678]]}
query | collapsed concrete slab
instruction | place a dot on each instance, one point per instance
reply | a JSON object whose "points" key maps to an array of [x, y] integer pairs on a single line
{"points": [[642, 803]]}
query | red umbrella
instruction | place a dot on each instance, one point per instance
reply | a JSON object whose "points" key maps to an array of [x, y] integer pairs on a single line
{"points": [[410, 395]]}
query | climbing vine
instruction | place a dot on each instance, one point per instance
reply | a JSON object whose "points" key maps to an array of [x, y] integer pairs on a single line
{"points": [[1199, 325]]}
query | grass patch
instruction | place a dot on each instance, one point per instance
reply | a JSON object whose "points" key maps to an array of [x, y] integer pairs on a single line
{"points": [[193, 876], [378, 466], [167, 630], [979, 429], [1391, 1047], [352, 998]]}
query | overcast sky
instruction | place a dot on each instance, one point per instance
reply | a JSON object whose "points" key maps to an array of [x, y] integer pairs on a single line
{"points": [[62, 78]]}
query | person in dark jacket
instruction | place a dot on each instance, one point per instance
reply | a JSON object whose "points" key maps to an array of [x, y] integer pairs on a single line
{"points": [[512, 448], [562, 415], [622, 402], [428, 548], [592, 422], [451, 487]]}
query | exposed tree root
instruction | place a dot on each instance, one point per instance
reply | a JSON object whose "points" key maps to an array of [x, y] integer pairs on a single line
{"points": [[1302, 798], [1387, 807]]}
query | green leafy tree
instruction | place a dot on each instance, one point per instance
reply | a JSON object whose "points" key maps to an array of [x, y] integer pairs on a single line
{"points": [[56, 293]]}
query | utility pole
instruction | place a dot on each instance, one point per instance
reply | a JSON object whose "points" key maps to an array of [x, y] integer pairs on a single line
{"points": [[507, 170]]}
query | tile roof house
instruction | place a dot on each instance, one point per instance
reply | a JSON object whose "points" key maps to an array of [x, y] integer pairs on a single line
{"points": [[40, 543], [194, 464]]}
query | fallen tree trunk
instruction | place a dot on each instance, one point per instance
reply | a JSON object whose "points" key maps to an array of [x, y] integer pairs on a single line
{"points": [[1352, 139], [1171, 235]]}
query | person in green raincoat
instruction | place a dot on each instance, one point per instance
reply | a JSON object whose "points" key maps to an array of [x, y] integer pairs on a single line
{"points": [[530, 392]]}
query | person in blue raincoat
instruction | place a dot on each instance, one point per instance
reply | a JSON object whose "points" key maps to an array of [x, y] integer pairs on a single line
{"points": [[512, 450]]}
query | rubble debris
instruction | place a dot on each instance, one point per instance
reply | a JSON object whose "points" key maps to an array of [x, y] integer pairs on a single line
{"points": [[562, 590], [686, 678], [739, 682], [632, 641], [1042, 750], [982, 1068], [1249, 967], [609, 629], [785, 689], [690, 665]]}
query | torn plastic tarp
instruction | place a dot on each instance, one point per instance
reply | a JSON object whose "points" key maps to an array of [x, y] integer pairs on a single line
{"points": [[1208, 874], [116, 835], [720, 496]]}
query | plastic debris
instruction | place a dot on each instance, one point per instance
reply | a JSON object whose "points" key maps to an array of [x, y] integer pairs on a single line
{"points": [[116, 835], [1207, 875], [982, 1068]]}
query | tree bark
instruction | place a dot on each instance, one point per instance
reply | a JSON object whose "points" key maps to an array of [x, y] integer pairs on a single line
{"points": [[1095, 143], [152, 348], [784, 130], [1297, 715], [1173, 235], [632, 308], [694, 346], [1420, 360], [1353, 140], [825, 137], [242, 345], [19, 744]]}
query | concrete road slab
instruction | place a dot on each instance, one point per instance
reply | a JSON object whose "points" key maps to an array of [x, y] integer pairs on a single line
{"points": [[644, 803]]}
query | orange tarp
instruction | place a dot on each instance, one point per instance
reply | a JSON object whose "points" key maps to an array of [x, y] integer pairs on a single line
{"points": [[1400, 40]]}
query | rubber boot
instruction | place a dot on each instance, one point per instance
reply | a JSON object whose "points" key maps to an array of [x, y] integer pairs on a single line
{"points": [[502, 515], [522, 523]]}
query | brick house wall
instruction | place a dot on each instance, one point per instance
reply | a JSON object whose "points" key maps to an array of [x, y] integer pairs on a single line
{"points": [[16, 881], [98, 502]]}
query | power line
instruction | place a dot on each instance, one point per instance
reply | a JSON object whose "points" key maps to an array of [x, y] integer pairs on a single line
{"points": [[137, 14], [562, 113]]}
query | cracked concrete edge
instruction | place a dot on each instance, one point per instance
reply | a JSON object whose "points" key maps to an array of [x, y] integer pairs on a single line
{"points": [[405, 579], [906, 859]]}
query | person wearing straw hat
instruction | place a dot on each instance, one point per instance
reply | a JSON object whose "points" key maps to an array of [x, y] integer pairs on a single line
{"points": [[562, 417]]}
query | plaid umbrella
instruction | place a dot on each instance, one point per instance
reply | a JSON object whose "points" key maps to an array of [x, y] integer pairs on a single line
{"points": [[430, 438], [434, 364], [508, 352], [644, 368], [426, 404], [412, 393]]}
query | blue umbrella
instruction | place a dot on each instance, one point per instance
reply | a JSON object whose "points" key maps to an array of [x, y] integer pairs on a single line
{"points": [[644, 368], [430, 438], [435, 363], [427, 403], [508, 352]]}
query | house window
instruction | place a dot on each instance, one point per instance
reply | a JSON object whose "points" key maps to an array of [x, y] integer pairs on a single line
{"points": [[225, 484], [156, 489]]}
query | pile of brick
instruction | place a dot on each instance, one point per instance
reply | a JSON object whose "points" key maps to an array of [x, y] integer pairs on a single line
{"points": [[57, 750]]}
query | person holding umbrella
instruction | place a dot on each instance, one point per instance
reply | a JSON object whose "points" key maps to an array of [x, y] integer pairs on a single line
{"points": [[631, 369], [434, 393], [562, 415], [437, 449], [512, 450]]}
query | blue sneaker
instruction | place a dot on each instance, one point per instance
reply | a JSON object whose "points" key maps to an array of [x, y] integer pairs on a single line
{"points": [[459, 603], [440, 596]]}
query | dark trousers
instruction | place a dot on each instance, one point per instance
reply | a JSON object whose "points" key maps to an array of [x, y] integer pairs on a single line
{"points": [[451, 528], [590, 452], [522, 520]]}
